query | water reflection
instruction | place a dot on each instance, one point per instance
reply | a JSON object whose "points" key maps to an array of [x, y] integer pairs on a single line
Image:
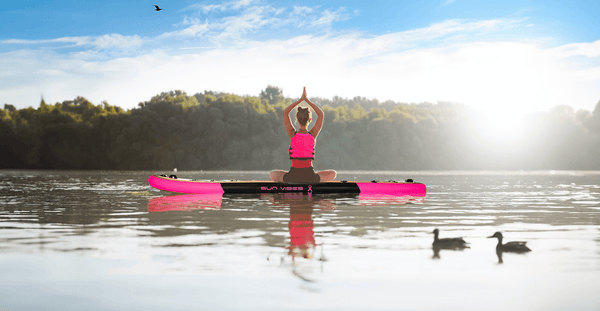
{"points": [[302, 253], [302, 247], [185, 202], [301, 225], [189, 202], [382, 199]]}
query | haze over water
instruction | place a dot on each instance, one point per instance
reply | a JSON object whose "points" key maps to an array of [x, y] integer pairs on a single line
{"points": [[103, 240]]}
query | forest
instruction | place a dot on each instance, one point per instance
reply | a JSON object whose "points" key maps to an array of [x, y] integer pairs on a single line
{"points": [[222, 131]]}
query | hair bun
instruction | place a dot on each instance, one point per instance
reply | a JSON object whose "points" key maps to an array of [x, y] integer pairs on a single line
{"points": [[302, 108]]}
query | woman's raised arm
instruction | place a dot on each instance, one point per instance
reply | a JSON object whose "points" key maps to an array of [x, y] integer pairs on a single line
{"points": [[320, 115], [289, 128]]}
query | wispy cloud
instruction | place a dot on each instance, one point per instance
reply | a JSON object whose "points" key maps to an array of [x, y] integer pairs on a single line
{"points": [[327, 18], [234, 20], [116, 40], [234, 47], [233, 5], [587, 49], [101, 42], [205, 8], [196, 29], [251, 20], [228, 23], [301, 11], [76, 40]]}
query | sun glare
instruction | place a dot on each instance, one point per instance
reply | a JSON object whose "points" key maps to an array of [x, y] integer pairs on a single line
{"points": [[501, 127]]}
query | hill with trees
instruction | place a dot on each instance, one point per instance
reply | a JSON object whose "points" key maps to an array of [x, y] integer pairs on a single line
{"points": [[222, 131]]}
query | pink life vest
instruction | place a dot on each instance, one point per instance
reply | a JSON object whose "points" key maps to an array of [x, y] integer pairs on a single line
{"points": [[302, 147]]}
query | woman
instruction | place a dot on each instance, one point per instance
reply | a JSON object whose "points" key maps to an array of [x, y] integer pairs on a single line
{"points": [[302, 146]]}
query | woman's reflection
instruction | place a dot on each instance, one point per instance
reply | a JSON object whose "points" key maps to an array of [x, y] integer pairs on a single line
{"points": [[302, 244], [301, 225], [302, 234]]}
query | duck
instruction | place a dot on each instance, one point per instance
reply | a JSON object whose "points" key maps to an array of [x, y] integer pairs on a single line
{"points": [[512, 247], [448, 243]]}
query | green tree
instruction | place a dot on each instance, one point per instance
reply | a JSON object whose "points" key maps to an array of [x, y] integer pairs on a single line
{"points": [[9, 108], [358, 112], [271, 94]]}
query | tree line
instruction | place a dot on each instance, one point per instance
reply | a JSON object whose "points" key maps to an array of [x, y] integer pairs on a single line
{"points": [[222, 131]]}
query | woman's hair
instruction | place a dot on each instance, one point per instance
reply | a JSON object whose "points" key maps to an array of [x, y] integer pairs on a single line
{"points": [[303, 115]]}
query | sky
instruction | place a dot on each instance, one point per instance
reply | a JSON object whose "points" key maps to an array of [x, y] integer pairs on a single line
{"points": [[495, 56]]}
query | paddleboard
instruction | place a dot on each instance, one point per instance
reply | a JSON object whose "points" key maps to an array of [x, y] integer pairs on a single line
{"points": [[181, 185]]}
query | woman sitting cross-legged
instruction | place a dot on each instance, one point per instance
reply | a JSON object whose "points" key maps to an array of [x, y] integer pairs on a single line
{"points": [[302, 146]]}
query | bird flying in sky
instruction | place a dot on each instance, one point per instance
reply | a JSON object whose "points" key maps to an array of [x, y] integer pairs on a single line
{"points": [[157, 8]]}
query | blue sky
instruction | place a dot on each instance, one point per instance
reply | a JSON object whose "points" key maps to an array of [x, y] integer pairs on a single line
{"points": [[491, 55]]}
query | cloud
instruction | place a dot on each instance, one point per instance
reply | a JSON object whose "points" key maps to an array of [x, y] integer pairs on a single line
{"points": [[191, 31], [242, 3], [76, 40], [233, 5], [190, 21], [102, 42], [212, 7], [231, 22], [301, 11], [116, 40], [230, 26], [327, 18], [424, 64], [587, 49], [251, 20]]}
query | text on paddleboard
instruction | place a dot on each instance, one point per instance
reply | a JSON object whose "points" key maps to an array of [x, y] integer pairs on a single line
{"points": [[282, 188]]}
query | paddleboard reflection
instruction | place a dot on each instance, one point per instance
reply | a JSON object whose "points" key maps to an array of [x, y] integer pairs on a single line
{"points": [[189, 202], [383, 199], [186, 202]]}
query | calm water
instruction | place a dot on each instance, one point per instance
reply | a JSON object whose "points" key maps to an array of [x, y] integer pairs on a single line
{"points": [[106, 240]]}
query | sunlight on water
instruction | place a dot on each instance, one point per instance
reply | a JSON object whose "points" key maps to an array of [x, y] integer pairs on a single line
{"points": [[107, 240]]}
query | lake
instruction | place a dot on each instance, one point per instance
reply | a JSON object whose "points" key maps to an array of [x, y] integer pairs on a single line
{"points": [[99, 240]]}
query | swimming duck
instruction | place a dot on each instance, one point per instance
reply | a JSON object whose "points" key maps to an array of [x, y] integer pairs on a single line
{"points": [[513, 247], [448, 243]]}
